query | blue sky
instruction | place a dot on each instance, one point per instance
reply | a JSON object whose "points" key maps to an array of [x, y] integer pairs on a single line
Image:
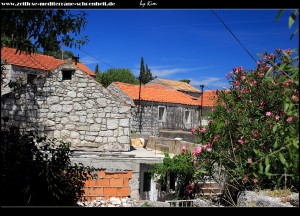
{"points": [[183, 44]]}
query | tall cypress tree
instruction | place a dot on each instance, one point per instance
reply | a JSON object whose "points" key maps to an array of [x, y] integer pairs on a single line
{"points": [[149, 76], [98, 74], [142, 72], [145, 73]]}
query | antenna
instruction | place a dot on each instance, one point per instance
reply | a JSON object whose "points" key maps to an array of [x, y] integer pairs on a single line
{"points": [[201, 107]]}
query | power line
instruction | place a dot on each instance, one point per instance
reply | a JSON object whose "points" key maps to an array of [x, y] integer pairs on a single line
{"points": [[235, 36], [97, 58]]}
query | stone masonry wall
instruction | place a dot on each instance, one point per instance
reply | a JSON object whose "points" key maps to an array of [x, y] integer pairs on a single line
{"points": [[149, 114], [80, 111], [174, 118]]}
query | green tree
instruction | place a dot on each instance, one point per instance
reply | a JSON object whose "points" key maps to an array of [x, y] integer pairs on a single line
{"points": [[36, 171], [185, 80], [98, 74], [145, 73], [149, 76], [291, 21], [142, 76], [29, 30], [118, 75]]}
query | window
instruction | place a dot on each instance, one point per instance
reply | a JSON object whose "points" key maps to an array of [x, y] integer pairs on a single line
{"points": [[67, 74], [147, 182], [161, 113], [187, 116], [172, 181], [31, 78]]}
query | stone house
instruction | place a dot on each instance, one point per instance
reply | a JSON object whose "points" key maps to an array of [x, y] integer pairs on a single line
{"points": [[61, 99], [158, 107]]}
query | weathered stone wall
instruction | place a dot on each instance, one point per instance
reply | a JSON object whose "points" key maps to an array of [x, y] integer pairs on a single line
{"points": [[146, 122], [150, 125], [80, 111]]}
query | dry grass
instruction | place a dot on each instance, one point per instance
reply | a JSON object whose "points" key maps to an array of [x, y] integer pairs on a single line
{"points": [[275, 193]]}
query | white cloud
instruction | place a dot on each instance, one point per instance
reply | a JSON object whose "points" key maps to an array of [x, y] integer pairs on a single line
{"points": [[89, 60], [162, 71], [210, 82]]}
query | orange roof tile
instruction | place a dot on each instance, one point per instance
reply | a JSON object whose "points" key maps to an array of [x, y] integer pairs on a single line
{"points": [[209, 98], [183, 86], [157, 93], [36, 61]]}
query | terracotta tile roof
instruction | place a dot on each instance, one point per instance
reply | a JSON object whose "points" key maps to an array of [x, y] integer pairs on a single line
{"points": [[157, 93], [36, 61], [209, 98], [183, 86]]}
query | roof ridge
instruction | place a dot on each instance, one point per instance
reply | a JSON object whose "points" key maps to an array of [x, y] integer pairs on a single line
{"points": [[34, 53]]}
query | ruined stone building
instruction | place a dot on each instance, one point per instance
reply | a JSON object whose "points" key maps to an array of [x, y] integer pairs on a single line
{"points": [[158, 107], [61, 99]]}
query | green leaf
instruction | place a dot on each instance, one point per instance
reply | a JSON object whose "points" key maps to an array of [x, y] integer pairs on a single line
{"points": [[282, 66], [275, 128], [267, 161], [286, 106], [275, 143], [261, 168], [292, 19], [267, 169], [281, 158], [279, 15], [296, 143]]}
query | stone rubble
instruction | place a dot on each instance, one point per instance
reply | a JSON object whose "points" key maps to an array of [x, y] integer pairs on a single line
{"points": [[111, 202]]}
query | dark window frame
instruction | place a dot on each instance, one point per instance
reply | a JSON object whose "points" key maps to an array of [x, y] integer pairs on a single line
{"points": [[67, 74], [31, 78]]}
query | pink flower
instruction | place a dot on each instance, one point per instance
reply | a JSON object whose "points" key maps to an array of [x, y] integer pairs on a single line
{"points": [[268, 114], [213, 109], [249, 160], [243, 77], [261, 75], [216, 138], [202, 130], [197, 151], [184, 149], [238, 69], [196, 162], [209, 149], [288, 51], [193, 130], [237, 83], [255, 134], [294, 98], [277, 117], [262, 104], [255, 181], [289, 119], [245, 179], [253, 83], [241, 141]]}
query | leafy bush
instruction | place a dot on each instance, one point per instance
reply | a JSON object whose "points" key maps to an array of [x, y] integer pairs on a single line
{"points": [[38, 171], [253, 131], [182, 165]]}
